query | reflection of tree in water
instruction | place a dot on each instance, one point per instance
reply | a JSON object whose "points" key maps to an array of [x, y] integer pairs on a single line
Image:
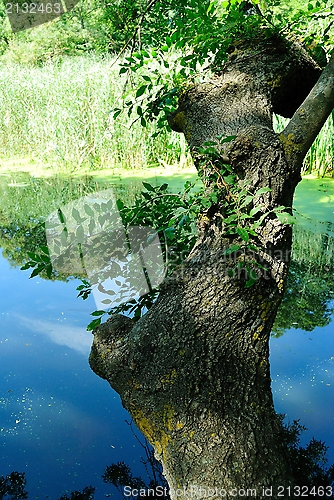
{"points": [[310, 286], [13, 486], [308, 466], [26, 202]]}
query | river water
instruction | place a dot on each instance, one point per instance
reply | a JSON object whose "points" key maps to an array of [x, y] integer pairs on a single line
{"points": [[59, 422]]}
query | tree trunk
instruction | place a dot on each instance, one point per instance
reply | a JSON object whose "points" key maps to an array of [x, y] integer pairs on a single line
{"points": [[194, 371]]}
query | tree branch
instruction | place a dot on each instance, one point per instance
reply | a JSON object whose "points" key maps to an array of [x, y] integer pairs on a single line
{"points": [[136, 31], [306, 123]]}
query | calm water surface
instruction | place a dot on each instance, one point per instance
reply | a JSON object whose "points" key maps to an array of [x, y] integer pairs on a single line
{"points": [[62, 425]]}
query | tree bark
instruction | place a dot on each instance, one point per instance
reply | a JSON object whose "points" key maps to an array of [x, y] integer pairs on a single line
{"points": [[194, 371]]}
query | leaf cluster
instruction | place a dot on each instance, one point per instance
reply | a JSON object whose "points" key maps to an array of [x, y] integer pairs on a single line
{"points": [[198, 38], [171, 218], [13, 486]]}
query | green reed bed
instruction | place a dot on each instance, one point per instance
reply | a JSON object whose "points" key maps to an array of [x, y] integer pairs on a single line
{"points": [[61, 114]]}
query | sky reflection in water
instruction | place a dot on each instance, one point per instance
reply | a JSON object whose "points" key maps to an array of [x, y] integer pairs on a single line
{"points": [[302, 371], [59, 422]]}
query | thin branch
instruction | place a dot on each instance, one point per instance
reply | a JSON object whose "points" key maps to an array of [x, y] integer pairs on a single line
{"points": [[306, 123], [136, 31]]}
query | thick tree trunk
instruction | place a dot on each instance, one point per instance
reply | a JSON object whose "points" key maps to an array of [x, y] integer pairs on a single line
{"points": [[194, 371]]}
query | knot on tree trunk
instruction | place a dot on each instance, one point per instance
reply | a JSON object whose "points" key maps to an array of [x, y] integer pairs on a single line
{"points": [[109, 350]]}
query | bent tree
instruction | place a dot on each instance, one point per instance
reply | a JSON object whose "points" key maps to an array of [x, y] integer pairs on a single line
{"points": [[194, 370]]}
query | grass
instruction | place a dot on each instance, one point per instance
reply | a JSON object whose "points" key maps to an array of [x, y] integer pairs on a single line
{"points": [[60, 114]]}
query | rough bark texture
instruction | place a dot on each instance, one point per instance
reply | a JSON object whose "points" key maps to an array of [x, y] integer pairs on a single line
{"points": [[194, 371]]}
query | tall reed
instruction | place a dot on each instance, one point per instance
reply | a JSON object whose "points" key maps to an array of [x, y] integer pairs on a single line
{"points": [[61, 114]]}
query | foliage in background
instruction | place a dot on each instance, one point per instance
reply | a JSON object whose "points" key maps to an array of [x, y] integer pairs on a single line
{"points": [[308, 465], [320, 157], [25, 203], [309, 293], [203, 34]]}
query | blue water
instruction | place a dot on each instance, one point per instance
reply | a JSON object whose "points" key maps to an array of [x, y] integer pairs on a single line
{"points": [[59, 422], [302, 372], [62, 425]]}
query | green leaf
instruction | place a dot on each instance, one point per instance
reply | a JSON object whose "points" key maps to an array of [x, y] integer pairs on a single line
{"points": [[254, 211], [26, 266], [169, 232], [49, 271], [286, 218], [120, 205], [34, 257], [93, 324], [247, 200], [229, 138], [262, 190], [251, 281], [61, 216], [243, 233], [80, 234], [148, 186], [232, 249], [91, 226], [231, 218], [37, 270], [63, 237], [88, 210], [97, 313], [76, 215], [117, 112], [146, 195], [229, 179], [141, 90]]}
